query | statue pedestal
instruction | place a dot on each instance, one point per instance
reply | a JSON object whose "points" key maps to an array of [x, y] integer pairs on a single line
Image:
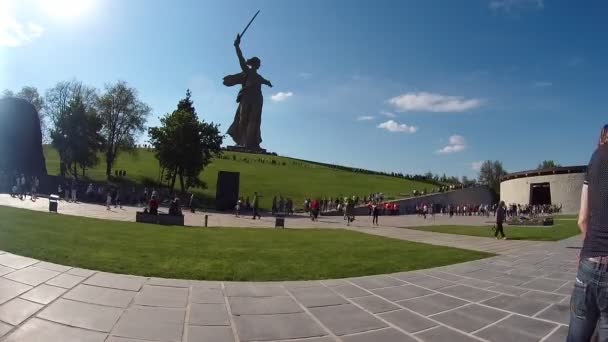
{"points": [[236, 148]]}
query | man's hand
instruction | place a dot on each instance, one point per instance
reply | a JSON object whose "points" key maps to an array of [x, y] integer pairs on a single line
{"points": [[237, 41]]}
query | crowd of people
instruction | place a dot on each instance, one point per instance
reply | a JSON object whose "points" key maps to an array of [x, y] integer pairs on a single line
{"points": [[24, 186], [533, 210]]}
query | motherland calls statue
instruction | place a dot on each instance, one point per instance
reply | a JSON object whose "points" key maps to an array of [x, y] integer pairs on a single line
{"points": [[245, 129]]}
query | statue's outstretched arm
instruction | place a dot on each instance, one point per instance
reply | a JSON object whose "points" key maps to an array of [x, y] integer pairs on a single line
{"points": [[239, 53], [266, 82]]}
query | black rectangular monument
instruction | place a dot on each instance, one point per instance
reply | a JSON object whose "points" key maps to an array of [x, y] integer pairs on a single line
{"points": [[227, 190]]}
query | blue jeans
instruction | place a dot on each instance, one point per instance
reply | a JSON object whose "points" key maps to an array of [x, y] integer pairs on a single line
{"points": [[589, 303]]}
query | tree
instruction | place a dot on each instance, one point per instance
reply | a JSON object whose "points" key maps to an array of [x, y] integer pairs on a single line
{"points": [[548, 164], [184, 145], [76, 137], [123, 116], [490, 174]]}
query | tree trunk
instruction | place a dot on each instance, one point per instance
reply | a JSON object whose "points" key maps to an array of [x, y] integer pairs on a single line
{"points": [[84, 171], [181, 179], [109, 161], [75, 171], [173, 178]]}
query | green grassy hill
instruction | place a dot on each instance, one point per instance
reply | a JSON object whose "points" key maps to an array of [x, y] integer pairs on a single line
{"points": [[292, 178]]}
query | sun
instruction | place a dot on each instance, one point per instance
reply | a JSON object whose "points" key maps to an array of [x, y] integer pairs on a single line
{"points": [[66, 9]]}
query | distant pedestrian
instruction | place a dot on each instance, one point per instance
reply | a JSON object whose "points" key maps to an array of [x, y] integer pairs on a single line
{"points": [[191, 204], [375, 214], [108, 200], [237, 208], [117, 201], [500, 219], [256, 202]]}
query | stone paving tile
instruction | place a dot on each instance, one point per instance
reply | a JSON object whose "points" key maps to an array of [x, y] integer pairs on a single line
{"points": [[4, 329], [410, 276], [560, 335], [376, 282], [445, 276], [301, 284], [566, 289], [100, 295], [384, 335], [482, 284], [168, 297], [317, 296], [470, 318], [206, 284], [276, 327], [510, 290], [544, 284], [121, 339], [10, 289], [314, 339], [43, 294], [116, 281], [37, 330], [519, 305], [263, 305], [559, 313], [544, 296], [346, 319], [150, 323], [431, 283], [206, 296], [208, 314], [5, 270], [65, 280], [168, 282], [53, 267], [333, 282], [80, 272], [211, 334], [17, 310], [516, 328], [484, 274], [432, 304], [32, 275], [401, 292], [559, 275], [16, 261], [375, 304], [408, 321], [468, 293], [250, 290], [442, 334], [82, 315], [350, 291]]}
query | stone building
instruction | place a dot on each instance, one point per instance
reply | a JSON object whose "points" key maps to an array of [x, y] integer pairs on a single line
{"points": [[559, 186]]}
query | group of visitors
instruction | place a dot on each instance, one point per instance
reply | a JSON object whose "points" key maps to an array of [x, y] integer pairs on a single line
{"points": [[533, 210], [24, 186], [282, 206]]}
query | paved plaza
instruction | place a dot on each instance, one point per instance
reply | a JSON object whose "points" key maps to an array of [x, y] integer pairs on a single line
{"points": [[520, 295]]}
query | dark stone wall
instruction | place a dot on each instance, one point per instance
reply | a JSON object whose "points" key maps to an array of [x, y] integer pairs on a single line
{"points": [[20, 138]]}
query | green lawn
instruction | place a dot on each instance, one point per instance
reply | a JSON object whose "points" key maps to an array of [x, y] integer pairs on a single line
{"points": [[562, 229], [214, 253], [292, 178]]}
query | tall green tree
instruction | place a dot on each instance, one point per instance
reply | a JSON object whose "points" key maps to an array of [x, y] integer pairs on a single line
{"points": [[490, 174], [184, 145], [123, 116], [76, 136], [548, 164]]}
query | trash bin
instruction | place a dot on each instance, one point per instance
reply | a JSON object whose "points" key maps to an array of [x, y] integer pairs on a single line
{"points": [[53, 201], [279, 222]]}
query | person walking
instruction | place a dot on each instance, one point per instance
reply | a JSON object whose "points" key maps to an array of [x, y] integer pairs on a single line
{"points": [[117, 201], [588, 299], [256, 202], [108, 200], [500, 219], [74, 191], [237, 207], [375, 214]]}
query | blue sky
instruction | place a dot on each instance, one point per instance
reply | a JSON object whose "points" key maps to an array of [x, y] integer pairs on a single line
{"points": [[408, 86]]}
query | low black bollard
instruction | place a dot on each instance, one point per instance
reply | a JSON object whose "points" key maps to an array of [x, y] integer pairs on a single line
{"points": [[206, 219]]}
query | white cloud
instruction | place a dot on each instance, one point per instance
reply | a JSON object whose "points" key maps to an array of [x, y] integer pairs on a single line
{"points": [[456, 144], [281, 96], [542, 84], [510, 5], [14, 32], [305, 75], [429, 102], [365, 118], [388, 114], [476, 166], [393, 126]]}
